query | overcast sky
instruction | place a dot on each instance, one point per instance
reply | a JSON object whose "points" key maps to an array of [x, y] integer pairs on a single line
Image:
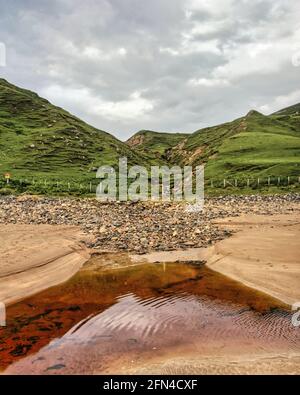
{"points": [[166, 65]]}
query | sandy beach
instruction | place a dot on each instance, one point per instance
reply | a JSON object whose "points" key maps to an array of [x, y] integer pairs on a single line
{"points": [[36, 257], [263, 254], [224, 365], [261, 251]]}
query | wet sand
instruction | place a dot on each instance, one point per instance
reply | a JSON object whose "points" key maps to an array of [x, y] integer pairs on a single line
{"points": [[263, 253], [36, 257], [223, 365]]}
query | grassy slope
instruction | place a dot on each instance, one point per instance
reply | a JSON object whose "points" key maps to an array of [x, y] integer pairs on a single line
{"points": [[255, 145], [38, 139], [155, 145]]}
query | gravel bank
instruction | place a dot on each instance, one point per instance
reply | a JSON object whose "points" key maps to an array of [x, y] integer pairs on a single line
{"points": [[142, 227]]}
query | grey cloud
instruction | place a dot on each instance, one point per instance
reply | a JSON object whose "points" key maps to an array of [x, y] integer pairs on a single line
{"points": [[125, 65]]}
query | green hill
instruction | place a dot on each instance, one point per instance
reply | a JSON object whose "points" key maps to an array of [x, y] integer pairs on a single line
{"points": [[41, 141], [38, 139], [292, 110], [254, 145], [155, 145]]}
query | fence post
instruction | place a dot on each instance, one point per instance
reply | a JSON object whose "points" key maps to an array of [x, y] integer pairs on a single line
{"points": [[288, 180], [278, 180], [224, 183], [236, 183], [258, 182], [68, 186], [269, 181], [212, 183], [248, 182]]}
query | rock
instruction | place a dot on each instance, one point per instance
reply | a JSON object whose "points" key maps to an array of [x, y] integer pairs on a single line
{"points": [[189, 243], [102, 229], [144, 226]]}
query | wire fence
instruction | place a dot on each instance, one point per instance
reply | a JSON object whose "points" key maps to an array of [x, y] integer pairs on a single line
{"points": [[253, 182], [80, 187], [90, 187]]}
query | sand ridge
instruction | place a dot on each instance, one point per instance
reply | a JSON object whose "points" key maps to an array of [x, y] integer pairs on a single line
{"points": [[263, 253], [36, 257]]}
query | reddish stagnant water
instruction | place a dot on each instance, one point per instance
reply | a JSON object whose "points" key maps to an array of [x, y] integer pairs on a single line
{"points": [[101, 321]]}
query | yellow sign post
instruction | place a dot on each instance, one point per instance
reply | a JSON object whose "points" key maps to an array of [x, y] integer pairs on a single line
{"points": [[7, 177]]}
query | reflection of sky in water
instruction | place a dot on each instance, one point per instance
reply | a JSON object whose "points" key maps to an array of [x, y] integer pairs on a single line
{"points": [[163, 319], [175, 316]]}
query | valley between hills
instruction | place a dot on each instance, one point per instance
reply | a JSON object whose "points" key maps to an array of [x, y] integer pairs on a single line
{"points": [[41, 144]]}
